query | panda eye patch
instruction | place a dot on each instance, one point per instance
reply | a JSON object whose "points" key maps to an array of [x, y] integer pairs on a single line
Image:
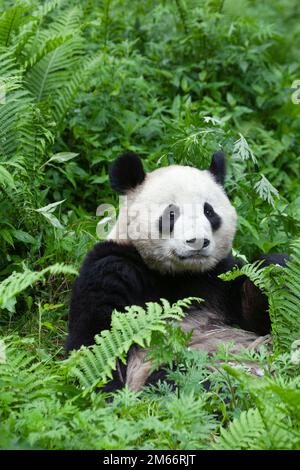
{"points": [[168, 218], [214, 219], [208, 210]]}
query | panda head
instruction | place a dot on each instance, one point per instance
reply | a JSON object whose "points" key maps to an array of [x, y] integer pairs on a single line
{"points": [[179, 218]]}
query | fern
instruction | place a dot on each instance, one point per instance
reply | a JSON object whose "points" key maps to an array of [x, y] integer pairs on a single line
{"points": [[16, 122], [49, 68], [282, 287], [252, 271], [262, 429], [47, 7], [31, 380], [106, 20], [44, 64], [8, 66], [266, 190], [284, 301], [48, 74], [93, 366], [273, 424], [183, 14], [18, 282], [109, 25], [175, 79], [242, 431], [11, 21], [65, 96], [242, 150]]}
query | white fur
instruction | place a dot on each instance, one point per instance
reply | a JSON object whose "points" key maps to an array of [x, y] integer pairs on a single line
{"points": [[189, 189]]}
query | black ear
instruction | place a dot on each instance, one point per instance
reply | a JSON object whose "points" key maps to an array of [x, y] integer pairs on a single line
{"points": [[126, 173], [218, 167]]}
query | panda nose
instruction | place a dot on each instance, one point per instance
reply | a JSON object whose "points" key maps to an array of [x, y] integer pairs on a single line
{"points": [[191, 240]]}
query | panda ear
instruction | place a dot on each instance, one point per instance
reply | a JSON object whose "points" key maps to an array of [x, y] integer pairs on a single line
{"points": [[218, 167], [126, 173]]}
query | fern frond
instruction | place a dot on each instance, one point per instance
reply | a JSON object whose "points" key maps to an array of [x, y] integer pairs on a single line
{"points": [[93, 366], [8, 65], [266, 190], [242, 431], [18, 282], [110, 25], [10, 22], [20, 127], [242, 150], [46, 8], [274, 423], [65, 96], [14, 113], [253, 271], [54, 69], [284, 301], [67, 21], [282, 287], [50, 43], [22, 378]]}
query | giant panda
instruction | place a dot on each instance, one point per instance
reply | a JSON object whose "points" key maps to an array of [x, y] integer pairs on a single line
{"points": [[172, 240]]}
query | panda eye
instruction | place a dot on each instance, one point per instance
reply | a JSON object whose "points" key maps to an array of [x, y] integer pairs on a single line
{"points": [[208, 210], [172, 214], [168, 218]]}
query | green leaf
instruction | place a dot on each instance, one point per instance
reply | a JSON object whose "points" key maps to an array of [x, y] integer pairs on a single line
{"points": [[266, 190], [52, 219], [6, 179], [50, 207], [23, 237], [63, 157], [242, 151]]}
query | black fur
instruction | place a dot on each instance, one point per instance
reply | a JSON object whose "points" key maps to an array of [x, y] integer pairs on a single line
{"points": [[112, 276], [218, 167], [126, 173]]}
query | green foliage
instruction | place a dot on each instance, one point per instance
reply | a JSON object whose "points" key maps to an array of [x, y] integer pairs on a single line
{"points": [[22, 378], [273, 423], [18, 282], [81, 82], [284, 301], [282, 287], [253, 271], [40, 407], [44, 64]]}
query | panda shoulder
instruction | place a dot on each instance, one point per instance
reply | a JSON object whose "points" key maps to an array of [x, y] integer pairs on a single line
{"points": [[111, 257]]}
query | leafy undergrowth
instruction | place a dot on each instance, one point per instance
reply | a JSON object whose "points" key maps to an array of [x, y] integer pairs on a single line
{"points": [[214, 405], [249, 400]]}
